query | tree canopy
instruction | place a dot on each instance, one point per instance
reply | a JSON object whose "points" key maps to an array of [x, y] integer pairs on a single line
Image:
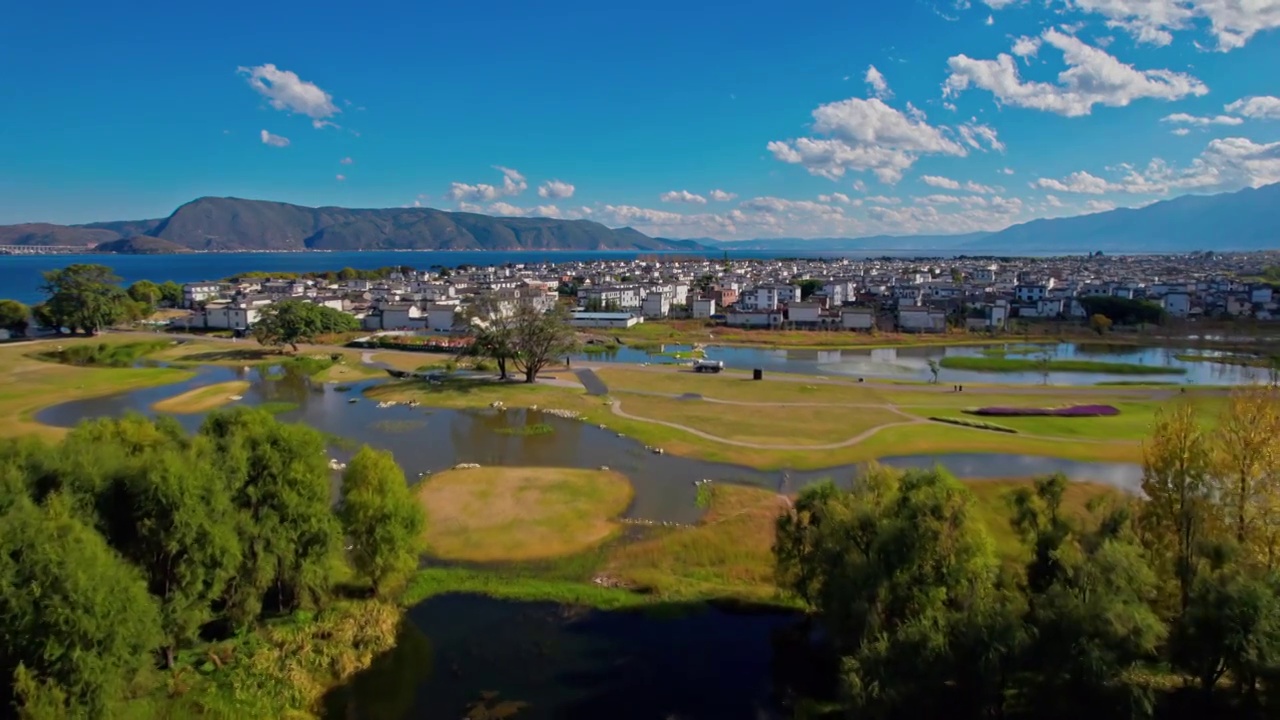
{"points": [[83, 297], [14, 316], [290, 322]]}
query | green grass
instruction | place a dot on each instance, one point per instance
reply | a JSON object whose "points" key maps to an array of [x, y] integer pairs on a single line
{"points": [[1238, 360], [991, 507], [1009, 365], [978, 424], [525, 430], [278, 407], [104, 354], [431, 582]]}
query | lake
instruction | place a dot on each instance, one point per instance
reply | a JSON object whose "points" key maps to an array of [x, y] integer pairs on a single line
{"points": [[912, 363]]}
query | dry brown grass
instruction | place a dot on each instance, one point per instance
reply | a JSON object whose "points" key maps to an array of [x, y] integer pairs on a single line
{"points": [[506, 514], [202, 399]]}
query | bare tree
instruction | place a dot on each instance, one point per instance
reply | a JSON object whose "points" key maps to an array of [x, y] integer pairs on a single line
{"points": [[539, 338], [492, 330]]}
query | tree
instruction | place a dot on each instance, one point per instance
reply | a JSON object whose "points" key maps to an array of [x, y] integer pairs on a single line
{"points": [[84, 297], [279, 484], [1100, 323], [1044, 363], [492, 333], [171, 294], [1177, 484], [290, 322], [13, 316], [72, 613], [45, 318], [1246, 459], [382, 520], [538, 338], [894, 567], [934, 369], [809, 287]]}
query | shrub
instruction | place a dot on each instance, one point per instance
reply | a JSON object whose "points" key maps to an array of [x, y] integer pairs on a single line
{"points": [[977, 424], [105, 354]]}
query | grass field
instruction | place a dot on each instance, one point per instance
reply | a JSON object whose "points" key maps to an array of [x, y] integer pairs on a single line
{"points": [[202, 399], [991, 507], [1009, 365], [27, 385], [513, 514]]}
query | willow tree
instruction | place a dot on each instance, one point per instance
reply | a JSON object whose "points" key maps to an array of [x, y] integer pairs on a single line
{"points": [[382, 520], [1180, 491]]}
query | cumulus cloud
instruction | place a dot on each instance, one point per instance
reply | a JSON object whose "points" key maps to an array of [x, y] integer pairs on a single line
{"points": [[1097, 206], [868, 135], [274, 140], [284, 90], [346, 161], [1026, 47], [513, 183], [840, 198], [506, 209], [1224, 165], [682, 196], [974, 187], [1006, 171], [340, 177], [721, 195], [1201, 121], [876, 84], [555, 189], [1231, 22], [1092, 77], [941, 182], [1181, 132], [1261, 107]]}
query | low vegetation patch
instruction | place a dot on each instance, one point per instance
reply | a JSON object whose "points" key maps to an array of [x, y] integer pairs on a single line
{"points": [[534, 429], [398, 426], [202, 399], [512, 514], [1260, 361], [104, 354], [278, 407], [1010, 365], [1065, 411], [977, 424]]}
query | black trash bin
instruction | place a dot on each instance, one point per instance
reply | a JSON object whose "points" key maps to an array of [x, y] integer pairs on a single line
{"points": [[757, 374]]}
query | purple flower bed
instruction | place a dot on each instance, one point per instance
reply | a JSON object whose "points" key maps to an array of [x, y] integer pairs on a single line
{"points": [[1069, 411]]}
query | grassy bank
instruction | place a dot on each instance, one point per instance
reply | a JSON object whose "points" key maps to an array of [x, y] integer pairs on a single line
{"points": [[514, 514], [1010, 365], [202, 399], [1256, 361], [29, 384]]}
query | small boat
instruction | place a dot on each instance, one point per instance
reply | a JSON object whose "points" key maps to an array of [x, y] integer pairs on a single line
{"points": [[353, 400]]}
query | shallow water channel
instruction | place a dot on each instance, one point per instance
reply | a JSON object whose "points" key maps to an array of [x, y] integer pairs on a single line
{"points": [[688, 663], [912, 363]]}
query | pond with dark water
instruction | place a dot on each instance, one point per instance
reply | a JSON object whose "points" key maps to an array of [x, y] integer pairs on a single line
{"points": [[912, 363]]}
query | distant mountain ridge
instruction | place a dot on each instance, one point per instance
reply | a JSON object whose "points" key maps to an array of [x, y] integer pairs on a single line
{"points": [[228, 224]]}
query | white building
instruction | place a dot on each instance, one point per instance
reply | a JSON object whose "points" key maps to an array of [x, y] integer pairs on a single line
{"points": [[657, 305], [195, 293], [583, 319], [704, 308], [804, 314], [232, 316], [1177, 304], [857, 318], [921, 319]]}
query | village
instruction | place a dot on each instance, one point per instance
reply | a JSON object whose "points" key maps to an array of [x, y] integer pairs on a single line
{"points": [[912, 296]]}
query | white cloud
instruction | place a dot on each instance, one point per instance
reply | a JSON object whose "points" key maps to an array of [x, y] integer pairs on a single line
{"points": [[721, 195], [556, 190], [506, 209], [340, 177], [974, 134], [999, 4], [876, 83], [1199, 121], [991, 20], [937, 200], [1026, 47], [941, 182], [840, 198], [1092, 78], [1097, 206], [682, 196], [1224, 165], [284, 90], [1260, 107], [346, 161], [1006, 171], [274, 140], [1181, 132], [868, 135], [882, 200], [972, 186], [1052, 201], [513, 183], [1231, 22]]}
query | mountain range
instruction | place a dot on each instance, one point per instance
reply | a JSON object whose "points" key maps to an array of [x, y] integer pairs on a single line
{"points": [[1248, 219], [229, 224]]}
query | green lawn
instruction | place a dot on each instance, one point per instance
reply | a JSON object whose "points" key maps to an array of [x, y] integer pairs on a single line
{"points": [[1009, 365]]}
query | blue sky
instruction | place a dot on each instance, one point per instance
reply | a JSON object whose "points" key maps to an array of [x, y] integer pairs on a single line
{"points": [[732, 120]]}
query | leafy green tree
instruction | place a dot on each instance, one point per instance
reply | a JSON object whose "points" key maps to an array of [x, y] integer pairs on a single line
{"points": [[1231, 626], [492, 331], [84, 297], [540, 338], [170, 294], [279, 484], [44, 317], [72, 612], [290, 322], [894, 567], [13, 316], [809, 287], [382, 520]]}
